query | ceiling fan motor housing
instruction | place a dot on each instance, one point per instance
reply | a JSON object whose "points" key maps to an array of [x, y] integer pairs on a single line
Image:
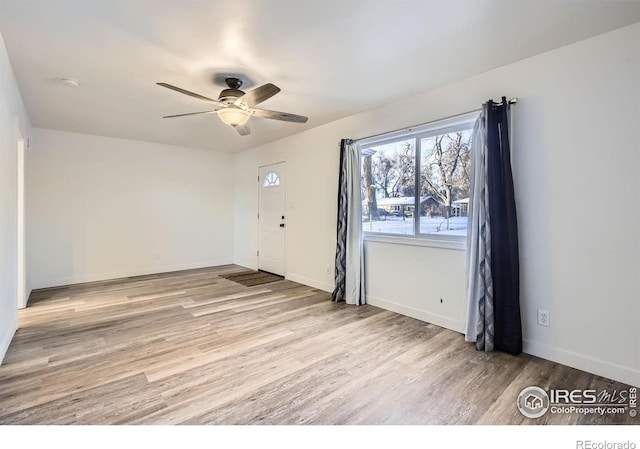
{"points": [[230, 94], [234, 89]]}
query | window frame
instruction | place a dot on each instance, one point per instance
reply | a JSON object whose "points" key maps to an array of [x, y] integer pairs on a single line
{"points": [[444, 126]]}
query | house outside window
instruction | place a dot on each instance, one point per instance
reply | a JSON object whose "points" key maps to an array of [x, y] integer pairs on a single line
{"points": [[416, 183]]}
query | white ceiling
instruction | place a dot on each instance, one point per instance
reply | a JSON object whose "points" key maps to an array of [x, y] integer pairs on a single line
{"points": [[330, 58]]}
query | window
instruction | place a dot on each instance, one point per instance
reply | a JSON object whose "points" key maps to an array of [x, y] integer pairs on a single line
{"points": [[271, 180], [416, 183]]}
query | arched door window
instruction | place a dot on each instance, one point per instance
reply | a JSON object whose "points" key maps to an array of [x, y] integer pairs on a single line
{"points": [[271, 180]]}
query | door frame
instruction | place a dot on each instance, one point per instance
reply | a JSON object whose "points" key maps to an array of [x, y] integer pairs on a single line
{"points": [[258, 186], [21, 256]]}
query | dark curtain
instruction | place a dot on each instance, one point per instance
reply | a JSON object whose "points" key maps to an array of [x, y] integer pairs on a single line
{"points": [[341, 244], [349, 274], [504, 231]]}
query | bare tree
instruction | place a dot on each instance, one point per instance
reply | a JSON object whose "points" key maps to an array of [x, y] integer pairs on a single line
{"points": [[369, 188], [445, 171], [393, 173]]}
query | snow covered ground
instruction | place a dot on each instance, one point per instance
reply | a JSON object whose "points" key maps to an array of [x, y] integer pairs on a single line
{"points": [[428, 225]]}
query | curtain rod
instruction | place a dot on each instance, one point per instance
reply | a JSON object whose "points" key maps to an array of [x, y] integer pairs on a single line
{"points": [[409, 128]]}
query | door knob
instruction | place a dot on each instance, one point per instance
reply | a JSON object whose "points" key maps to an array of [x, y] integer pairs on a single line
{"points": [[282, 225]]}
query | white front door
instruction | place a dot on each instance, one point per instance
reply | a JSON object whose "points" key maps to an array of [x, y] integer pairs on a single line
{"points": [[271, 218]]}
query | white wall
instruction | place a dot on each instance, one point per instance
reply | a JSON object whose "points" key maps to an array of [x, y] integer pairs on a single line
{"points": [[102, 208], [312, 161], [426, 283], [575, 162], [12, 113]]}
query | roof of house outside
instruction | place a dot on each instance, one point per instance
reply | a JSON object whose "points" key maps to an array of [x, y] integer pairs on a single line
{"points": [[402, 201], [409, 201]]}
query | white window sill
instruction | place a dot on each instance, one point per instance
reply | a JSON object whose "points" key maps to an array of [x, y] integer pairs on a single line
{"points": [[459, 244]]}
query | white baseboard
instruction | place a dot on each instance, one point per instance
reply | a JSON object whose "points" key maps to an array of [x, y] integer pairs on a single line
{"points": [[29, 290], [583, 362], [122, 274], [324, 286], [418, 314], [7, 337]]}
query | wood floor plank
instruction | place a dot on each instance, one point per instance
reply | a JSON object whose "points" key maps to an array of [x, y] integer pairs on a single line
{"points": [[191, 347]]}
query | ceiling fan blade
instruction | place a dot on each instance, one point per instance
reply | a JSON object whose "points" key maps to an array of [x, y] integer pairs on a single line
{"points": [[275, 115], [192, 94], [189, 113], [243, 130], [257, 95]]}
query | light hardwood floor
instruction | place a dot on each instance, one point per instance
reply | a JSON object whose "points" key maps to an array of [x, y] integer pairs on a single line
{"points": [[191, 347]]}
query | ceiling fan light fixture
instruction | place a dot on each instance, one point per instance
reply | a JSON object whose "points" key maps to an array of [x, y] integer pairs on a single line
{"points": [[233, 116]]}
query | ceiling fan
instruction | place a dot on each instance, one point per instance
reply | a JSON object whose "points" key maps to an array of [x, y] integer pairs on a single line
{"points": [[234, 107]]}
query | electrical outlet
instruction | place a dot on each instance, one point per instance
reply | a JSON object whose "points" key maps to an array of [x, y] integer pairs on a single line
{"points": [[543, 318], [328, 269]]}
